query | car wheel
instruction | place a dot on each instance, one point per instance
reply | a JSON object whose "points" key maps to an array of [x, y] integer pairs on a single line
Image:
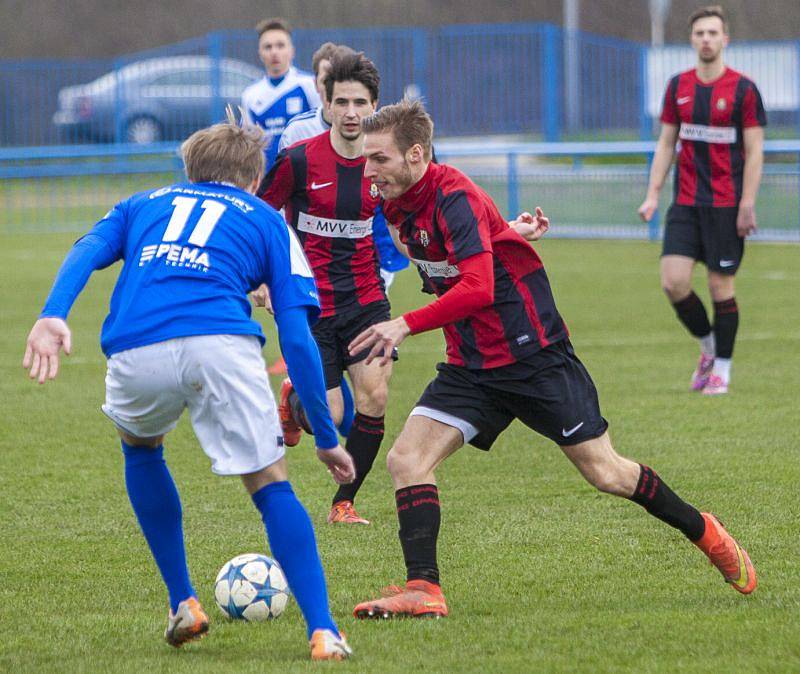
{"points": [[143, 130]]}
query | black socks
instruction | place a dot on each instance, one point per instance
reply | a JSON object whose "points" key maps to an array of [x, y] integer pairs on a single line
{"points": [[419, 515], [661, 502], [363, 443], [692, 314], [726, 322]]}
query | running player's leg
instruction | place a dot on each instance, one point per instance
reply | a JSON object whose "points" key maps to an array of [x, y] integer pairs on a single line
{"points": [[562, 404], [453, 410], [421, 446], [242, 437], [725, 251], [371, 392], [371, 388], [611, 473], [683, 246], [143, 401], [292, 542], [726, 324]]}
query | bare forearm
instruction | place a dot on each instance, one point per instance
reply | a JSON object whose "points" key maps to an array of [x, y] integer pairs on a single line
{"points": [[753, 168], [662, 161]]}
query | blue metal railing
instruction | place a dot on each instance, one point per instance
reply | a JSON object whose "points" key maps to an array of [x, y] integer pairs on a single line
{"points": [[64, 187]]}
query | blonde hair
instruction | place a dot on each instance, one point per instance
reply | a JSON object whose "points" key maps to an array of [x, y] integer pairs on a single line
{"points": [[409, 123], [227, 152]]}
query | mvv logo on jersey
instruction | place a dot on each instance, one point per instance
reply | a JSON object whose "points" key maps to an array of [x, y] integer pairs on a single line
{"points": [[330, 227], [440, 268], [723, 135]]}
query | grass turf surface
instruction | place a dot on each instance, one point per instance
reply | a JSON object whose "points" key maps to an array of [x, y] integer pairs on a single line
{"points": [[541, 572]]}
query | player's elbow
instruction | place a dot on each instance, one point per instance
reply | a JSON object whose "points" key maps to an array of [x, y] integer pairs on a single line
{"points": [[481, 292]]}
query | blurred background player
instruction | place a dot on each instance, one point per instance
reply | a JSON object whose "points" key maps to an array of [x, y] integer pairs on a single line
{"points": [[321, 186], [509, 356], [207, 243], [300, 127], [718, 115], [317, 120], [284, 91]]}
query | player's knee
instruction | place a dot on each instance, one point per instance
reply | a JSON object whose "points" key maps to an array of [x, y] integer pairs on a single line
{"points": [[404, 463], [720, 287], [373, 401], [676, 288]]}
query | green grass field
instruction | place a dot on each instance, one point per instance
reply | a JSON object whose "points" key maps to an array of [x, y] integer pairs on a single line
{"points": [[541, 572]]}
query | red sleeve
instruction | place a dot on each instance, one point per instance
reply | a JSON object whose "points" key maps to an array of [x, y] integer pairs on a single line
{"points": [[753, 108], [669, 112], [463, 223], [474, 291], [278, 184]]}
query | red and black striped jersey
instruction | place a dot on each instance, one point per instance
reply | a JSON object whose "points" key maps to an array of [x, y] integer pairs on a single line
{"points": [[445, 219], [330, 205], [712, 117]]}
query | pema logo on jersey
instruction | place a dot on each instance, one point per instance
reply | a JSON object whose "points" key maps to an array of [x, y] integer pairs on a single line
{"points": [[176, 256]]}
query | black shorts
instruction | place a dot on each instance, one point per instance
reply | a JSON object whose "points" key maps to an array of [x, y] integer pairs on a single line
{"points": [[550, 392], [705, 233], [334, 333]]}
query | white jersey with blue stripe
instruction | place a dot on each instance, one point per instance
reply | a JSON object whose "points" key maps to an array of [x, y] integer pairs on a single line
{"points": [[193, 251], [271, 106], [307, 125]]}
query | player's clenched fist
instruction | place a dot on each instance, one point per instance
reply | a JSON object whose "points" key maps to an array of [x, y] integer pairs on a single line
{"points": [[47, 337], [381, 339], [648, 209]]}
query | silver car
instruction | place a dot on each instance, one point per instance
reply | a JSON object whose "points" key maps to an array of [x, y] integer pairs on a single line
{"points": [[152, 100]]}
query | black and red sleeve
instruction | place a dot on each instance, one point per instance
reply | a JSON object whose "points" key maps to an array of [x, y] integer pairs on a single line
{"points": [[461, 220], [669, 109], [753, 113], [279, 183]]}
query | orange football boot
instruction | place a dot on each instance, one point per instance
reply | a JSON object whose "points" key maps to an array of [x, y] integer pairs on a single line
{"points": [[189, 622], [326, 645], [419, 599], [291, 429], [344, 512], [278, 367], [727, 555]]}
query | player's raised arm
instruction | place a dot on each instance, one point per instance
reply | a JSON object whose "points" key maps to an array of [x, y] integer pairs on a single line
{"points": [[101, 247]]}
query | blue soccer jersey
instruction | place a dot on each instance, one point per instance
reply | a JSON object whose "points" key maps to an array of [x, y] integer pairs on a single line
{"points": [[192, 252], [271, 103]]}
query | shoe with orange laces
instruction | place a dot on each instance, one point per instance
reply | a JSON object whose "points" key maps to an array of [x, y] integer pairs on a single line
{"points": [[278, 367], [419, 599], [343, 512], [727, 555], [189, 622], [291, 429], [326, 645]]}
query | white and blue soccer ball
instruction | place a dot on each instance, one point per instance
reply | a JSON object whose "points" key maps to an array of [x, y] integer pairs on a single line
{"points": [[251, 587]]}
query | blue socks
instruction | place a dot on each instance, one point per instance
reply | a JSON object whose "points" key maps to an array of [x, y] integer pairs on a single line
{"points": [[291, 538], [349, 409], [157, 505]]}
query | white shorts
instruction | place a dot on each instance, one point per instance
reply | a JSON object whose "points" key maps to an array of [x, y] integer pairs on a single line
{"points": [[220, 378]]}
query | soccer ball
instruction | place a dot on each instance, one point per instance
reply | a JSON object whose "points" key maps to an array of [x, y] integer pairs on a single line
{"points": [[251, 587]]}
